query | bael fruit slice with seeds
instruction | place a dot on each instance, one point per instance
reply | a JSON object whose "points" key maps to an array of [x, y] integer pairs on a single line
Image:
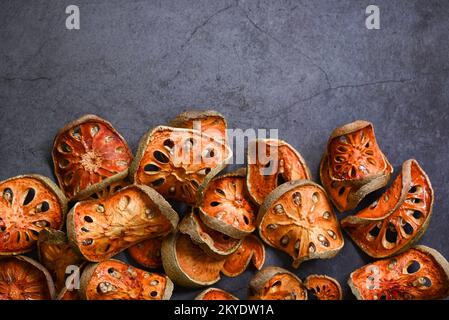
{"points": [[147, 253], [215, 294], [28, 204], [225, 205], [274, 283], [420, 273], [116, 280], [298, 219], [56, 255], [89, 154], [100, 229], [177, 161], [210, 122], [251, 249], [398, 218], [324, 287], [280, 163], [22, 278], [214, 243], [353, 165]]}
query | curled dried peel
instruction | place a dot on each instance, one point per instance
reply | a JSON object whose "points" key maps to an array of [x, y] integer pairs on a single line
{"points": [[324, 287], [147, 253], [398, 218], [88, 154], [225, 206], [116, 280], [420, 273], [99, 229], [28, 204], [215, 294], [278, 163], [176, 162], [22, 278], [298, 219], [274, 283], [211, 241]]}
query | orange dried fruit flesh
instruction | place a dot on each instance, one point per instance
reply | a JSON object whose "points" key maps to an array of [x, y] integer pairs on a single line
{"points": [[298, 219], [116, 280], [324, 287], [99, 229], [147, 253], [211, 241], [56, 255], [274, 283], [398, 218], [22, 278], [189, 266], [272, 162], [210, 122], [70, 291], [177, 161], [215, 294], [420, 273], [353, 165], [28, 204], [88, 154]]}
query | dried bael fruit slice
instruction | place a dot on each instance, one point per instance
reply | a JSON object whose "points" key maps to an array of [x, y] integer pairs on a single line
{"points": [[298, 219], [398, 218], [102, 228], [215, 294], [116, 280], [225, 205], [272, 162], [214, 243], [56, 255], [353, 165], [177, 161], [70, 291], [420, 273], [324, 287], [28, 204], [88, 154], [189, 266], [274, 283], [147, 253], [210, 122], [22, 278], [110, 189]]}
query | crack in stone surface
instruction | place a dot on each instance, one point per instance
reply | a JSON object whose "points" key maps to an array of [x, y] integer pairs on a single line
{"points": [[25, 79]]}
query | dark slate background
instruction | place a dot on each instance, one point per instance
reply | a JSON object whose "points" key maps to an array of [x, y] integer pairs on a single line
{"points": [[304, 67]]}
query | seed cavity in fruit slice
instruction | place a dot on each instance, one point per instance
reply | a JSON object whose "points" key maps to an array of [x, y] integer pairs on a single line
{"points": [[323, 287], [215, 294]]}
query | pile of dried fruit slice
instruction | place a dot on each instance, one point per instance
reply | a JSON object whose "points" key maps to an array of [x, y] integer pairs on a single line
{"points": [[215, 294], [324, 287]]}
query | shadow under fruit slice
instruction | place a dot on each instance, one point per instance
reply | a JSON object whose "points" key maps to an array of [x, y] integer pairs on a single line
{"points": [[324, 287], [189, 266], [177, 161], [279, 163], [100, 229], [22, 278], [28, 204], [225, 205], [298, 219], [398, 218], [274, 283], [420, 273], [147, 253], [213, 242], [215, 294], [116, 280], [88, 154], [210, 122]]}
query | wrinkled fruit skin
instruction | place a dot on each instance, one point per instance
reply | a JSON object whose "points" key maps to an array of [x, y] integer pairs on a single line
{"points": [[147, 253], [298, 219], [398, 218], [115, 280], [279, 163], [215, 294], [323, 287], [102, 228], [28, 204], [88, 154], [419, 273]]}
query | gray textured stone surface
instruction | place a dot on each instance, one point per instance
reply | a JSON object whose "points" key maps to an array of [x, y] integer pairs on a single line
{"points": [[304, 67]]}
